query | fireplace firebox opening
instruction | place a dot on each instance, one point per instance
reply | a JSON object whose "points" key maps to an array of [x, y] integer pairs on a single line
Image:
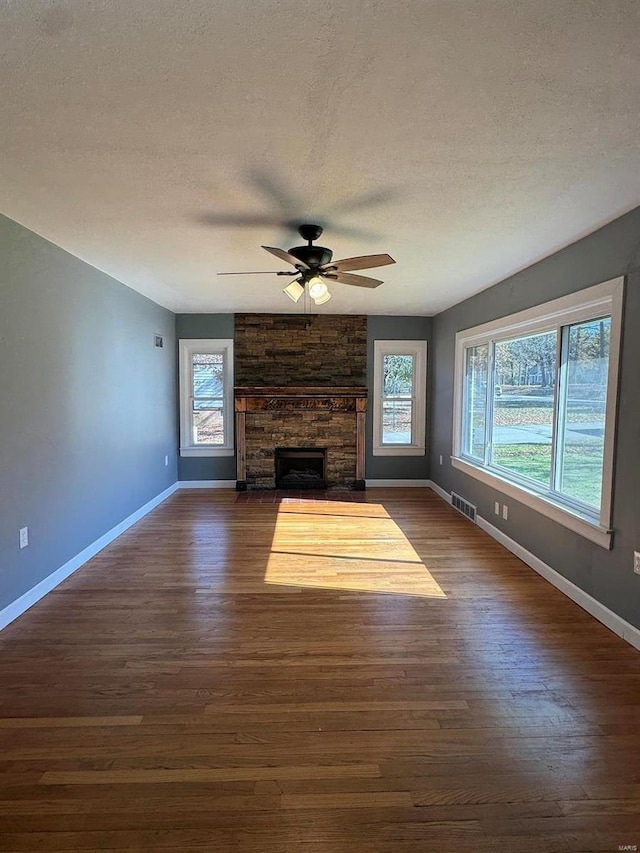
{"points": [[300, 467]]}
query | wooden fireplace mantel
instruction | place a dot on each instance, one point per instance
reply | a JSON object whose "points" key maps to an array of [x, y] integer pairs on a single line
{"points": [[291, 398], [295, 391]]}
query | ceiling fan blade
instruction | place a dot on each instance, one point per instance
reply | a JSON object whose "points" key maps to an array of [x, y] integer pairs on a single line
{"points": [[285, 256], [349, 278], [364, 262], [260, 272]]}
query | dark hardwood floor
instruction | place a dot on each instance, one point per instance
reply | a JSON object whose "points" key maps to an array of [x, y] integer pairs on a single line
{"points": [[366, 674]]}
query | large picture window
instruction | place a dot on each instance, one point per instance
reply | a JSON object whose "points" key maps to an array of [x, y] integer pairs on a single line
{"points": [[400, 386], [206, 397], [535, 406]]}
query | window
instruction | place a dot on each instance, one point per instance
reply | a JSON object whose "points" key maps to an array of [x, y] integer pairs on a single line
{"points": [[206, 398], [400, 385], [535, 406]]}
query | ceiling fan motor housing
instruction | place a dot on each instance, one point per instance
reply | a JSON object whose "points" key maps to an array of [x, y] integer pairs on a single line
{"points": [[312, 256]]}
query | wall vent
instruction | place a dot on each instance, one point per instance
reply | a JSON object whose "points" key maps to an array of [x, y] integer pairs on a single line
{"points": [[464, 507]]}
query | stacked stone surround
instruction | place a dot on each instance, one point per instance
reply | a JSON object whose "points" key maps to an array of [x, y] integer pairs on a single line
{"points": [[268, 430], [300, 350]]}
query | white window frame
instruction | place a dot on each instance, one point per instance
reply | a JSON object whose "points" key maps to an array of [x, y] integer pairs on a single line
{"points": [[417, 349], [208, 346], [588, 304]]}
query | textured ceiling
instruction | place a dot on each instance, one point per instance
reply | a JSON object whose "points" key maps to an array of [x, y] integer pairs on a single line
{"points": [[165, 141]]}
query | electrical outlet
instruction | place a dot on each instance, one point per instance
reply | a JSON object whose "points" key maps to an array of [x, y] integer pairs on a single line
{"points": [[441, 460], [505, 511], [166, 461], [636, 562], [496, 507], [24, 537]]}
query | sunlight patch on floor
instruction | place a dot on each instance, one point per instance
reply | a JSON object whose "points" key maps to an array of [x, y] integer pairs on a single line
{"points": [[340, 545]]}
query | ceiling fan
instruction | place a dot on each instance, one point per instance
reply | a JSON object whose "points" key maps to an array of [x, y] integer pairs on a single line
{"points": [[314, 267]]}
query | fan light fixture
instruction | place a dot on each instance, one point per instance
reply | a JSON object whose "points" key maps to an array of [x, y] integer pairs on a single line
{"points": [[322, 299], [294, 290], [318, 290], [317, 287]]}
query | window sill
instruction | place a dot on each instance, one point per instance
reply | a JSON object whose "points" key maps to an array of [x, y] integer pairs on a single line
{"points": [[398, 450], [594, 532], [207, 451]]}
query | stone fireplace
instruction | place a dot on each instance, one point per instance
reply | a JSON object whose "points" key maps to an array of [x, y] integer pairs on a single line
{"points": [[301, 383], [330, 419]]}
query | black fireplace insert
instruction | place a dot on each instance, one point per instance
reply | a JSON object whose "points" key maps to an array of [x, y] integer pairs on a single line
{"points": [[300, 467]]}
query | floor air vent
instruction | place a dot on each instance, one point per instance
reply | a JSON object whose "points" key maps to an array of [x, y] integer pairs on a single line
{"points": [[464, 507]]}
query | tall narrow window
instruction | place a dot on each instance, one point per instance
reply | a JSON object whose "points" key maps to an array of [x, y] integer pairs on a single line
{"points": [[475, 401], [535, 406], [523, 391], [399, 398], [583, 402], [206, 397]]}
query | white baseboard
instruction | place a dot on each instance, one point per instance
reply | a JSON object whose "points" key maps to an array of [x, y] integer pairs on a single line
{"points": [[206, 484], [393, 484], [612, 621], [28, 599]]}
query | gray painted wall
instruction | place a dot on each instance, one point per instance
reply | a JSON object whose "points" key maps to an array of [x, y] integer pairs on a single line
{"points": [[378, 328], [86, 405], [205, 326], [606, 575]]}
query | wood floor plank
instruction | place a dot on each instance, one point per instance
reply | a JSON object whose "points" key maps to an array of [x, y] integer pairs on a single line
{"points": [[347, 672], [340, 800], [67, 722], [208, 774]]}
